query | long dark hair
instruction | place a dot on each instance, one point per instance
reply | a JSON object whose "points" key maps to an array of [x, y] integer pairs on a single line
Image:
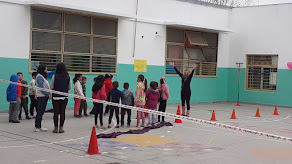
{"points": [[76, 77], [143, 79], [161, 82], [98, 83], [41, 70], [61, 69]]}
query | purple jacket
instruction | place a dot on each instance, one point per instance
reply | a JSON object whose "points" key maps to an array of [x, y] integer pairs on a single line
{"points": [[152, 97]]}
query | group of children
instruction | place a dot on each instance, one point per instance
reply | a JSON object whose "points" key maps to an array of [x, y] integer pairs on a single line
{"points": [[105, 89]]}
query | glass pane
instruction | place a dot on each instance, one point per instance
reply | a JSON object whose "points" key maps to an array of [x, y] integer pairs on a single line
{"points": [[46, 20], [270, 78], [254, 77], [175, 35], [211, 38], [103, 64], [174, 52], [104, 46], [46, 41], [76, 23], [169, 69], [50, 60], [76, 63], [104, 27], [75, 43]]}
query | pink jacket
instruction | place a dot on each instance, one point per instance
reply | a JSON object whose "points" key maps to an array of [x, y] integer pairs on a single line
{"points": [[100, 95], [164, 90]]}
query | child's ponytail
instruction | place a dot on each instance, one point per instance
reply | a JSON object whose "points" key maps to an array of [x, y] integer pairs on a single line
{"points": [[145, 83]]}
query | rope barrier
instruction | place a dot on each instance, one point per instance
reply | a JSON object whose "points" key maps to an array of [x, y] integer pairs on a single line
{"points": [[193, 120]]}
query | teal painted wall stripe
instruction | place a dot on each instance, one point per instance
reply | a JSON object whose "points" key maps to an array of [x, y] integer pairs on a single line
{"points": [[204, 89]]}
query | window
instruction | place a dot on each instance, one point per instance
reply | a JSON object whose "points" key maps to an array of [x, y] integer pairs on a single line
{"points": [[86, 44], [187, 47], [262, 72]]}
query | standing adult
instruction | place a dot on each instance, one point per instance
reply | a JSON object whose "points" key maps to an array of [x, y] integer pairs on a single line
{"points": [[60, 82], [42, 97], [186, 79]]}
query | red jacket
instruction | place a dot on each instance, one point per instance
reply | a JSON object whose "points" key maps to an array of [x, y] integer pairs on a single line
{"points": [[108, 85], [19, 90], [100, 95]]}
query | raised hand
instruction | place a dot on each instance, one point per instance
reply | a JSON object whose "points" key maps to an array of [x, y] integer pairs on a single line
{"points": [[195, 66], [172, 64]]}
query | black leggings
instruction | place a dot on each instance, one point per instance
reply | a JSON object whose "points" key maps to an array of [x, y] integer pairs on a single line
{"points": [[162, 108], [185, 97], [112, 110], [59, 109], [98, 110]]}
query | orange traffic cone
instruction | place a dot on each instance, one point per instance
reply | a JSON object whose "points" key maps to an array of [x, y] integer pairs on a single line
{"points": [[276, 111], [258, 113], [233, 115], [213, 118], [93, 146], [178, 113]]}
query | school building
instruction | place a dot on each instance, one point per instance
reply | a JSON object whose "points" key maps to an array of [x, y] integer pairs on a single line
{"points": [[109, 36]]}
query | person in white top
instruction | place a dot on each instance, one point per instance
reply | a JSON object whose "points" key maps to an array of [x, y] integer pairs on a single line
{"points": [[78, 91], [32, 95], [42, 97]]}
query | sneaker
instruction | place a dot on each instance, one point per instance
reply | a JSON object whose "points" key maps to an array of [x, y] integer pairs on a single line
{"points": [[128, 125], [36, 129], [102, 127], [28, 118], [109, 127], [16, 121], [96, 126], [77, 116], [43, 129], [144, 124], [117, 126], [10, 121], [86, 115], [80, 115], [33, 117]]}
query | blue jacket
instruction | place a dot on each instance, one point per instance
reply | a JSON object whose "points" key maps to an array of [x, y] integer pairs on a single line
{"points": [[11, 91], [115, 95]]}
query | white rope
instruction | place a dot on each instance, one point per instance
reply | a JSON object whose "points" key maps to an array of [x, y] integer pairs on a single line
{"points": [[194, 120]]}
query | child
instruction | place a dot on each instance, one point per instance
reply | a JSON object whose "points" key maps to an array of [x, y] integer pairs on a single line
{"points": [[152, 97], [114, 96], [92, 110], [83, 105], [24, 98], [108, 86], [140, 98], [98, 92], [163, 88], [14, 101], [32, 95], [78, 91], [128, 100]]}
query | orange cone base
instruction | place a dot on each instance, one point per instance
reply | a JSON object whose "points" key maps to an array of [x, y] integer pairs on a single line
{"points": [[93, 153], [178, 121], [237, 104]]}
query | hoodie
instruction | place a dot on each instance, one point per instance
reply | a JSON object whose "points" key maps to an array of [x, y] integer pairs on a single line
{"points": [[164, 90], [128, 97], [152, 97], [108, 85], [12, 89]]}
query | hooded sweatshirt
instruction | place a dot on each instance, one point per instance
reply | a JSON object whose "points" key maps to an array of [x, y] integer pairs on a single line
{"points": [[108, 85], [128, 97], [152, 97], [12, 89], [164, 90]]}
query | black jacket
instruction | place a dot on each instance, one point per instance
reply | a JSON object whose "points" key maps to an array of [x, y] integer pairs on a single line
{"points": [[114, 96], [185, 80]]}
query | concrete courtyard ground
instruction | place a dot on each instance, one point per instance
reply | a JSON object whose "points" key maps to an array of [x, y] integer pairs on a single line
{"points": [[182, 143]]}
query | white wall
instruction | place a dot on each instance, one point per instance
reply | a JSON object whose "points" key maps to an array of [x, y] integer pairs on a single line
{"points": [[15, 30], [261, 30]]}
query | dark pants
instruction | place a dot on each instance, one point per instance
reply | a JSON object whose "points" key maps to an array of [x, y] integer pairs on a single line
{"points": [[33, 104], [24, 105], [185, 97], [112, 110], [41, 107], [98, 110], [107, 108], [162, 108], [83, 106], [59, 109], [124, 110]]}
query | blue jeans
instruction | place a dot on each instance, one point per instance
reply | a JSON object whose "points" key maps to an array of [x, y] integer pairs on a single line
{"points": [[41, 107]]}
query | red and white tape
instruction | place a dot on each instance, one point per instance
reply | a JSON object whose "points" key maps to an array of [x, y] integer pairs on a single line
{"points": [[194, 120]]}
